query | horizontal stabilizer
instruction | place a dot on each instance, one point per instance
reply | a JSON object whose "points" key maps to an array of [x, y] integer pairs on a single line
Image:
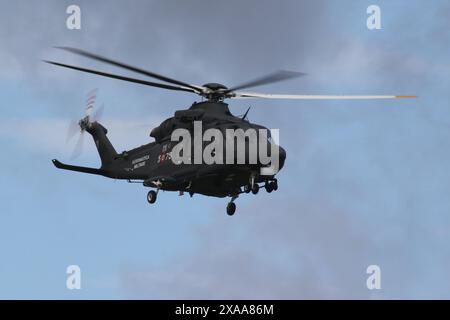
{"points": [[61, 165]]}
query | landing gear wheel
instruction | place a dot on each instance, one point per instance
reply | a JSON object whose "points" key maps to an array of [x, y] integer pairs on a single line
{"points": [[269, 187], [231, 208], [247, 188], [151, 196], [255, 189]]}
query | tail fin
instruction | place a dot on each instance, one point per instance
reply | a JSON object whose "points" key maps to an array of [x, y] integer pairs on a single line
{"points": [[105, 148]]}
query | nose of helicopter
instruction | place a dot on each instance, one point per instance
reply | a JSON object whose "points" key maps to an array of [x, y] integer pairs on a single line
{"points": [[269, 169], [282, 156]]}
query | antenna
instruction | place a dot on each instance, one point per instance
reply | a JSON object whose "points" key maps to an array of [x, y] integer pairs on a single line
{"points": [[245, 114]]}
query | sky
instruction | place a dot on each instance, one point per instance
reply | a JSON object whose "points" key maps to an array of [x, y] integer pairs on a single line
{"points": [[364, 183]]}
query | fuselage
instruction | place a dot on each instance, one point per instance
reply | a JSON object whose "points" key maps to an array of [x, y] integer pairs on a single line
{"points": [[153, 163]]}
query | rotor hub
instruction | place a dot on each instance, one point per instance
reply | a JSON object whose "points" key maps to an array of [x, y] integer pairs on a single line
{"points": [[215, 86], [215, 91], [84, 123]]}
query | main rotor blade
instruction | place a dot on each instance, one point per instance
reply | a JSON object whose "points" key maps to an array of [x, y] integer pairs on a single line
{"points": [[244, 95], [271, 78], [131, 68], [114, 76]]}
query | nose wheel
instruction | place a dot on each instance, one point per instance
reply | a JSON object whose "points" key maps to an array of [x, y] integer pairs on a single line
{"points": [[271, 186]]}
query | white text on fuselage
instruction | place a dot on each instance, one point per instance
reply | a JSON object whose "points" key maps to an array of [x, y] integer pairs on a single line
{"points": [[139, 162]]}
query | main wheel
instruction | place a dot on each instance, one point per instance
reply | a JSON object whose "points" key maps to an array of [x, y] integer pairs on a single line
{"points": [[255, 189], [151, 196], [247, 188], [269, 187], [231, 208], [275, 185]]}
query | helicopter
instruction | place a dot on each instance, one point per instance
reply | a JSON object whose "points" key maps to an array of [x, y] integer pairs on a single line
{"points": [[152, 164]]}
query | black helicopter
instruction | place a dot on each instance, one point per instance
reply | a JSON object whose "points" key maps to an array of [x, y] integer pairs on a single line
{"points": [[151, 164]]}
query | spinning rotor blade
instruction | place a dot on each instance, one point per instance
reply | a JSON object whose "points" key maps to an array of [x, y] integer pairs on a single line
{"points": [[90, 101], [270, 78], [91, 96], [238, 95], [78, 147], [98, 113], [114, 76], [72, 130], [131, 68]]}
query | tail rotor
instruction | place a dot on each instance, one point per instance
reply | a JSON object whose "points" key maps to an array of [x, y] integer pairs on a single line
{"points": [[79, 127]]}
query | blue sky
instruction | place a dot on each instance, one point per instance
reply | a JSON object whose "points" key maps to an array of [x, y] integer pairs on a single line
{"points": [[365, 182]]}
